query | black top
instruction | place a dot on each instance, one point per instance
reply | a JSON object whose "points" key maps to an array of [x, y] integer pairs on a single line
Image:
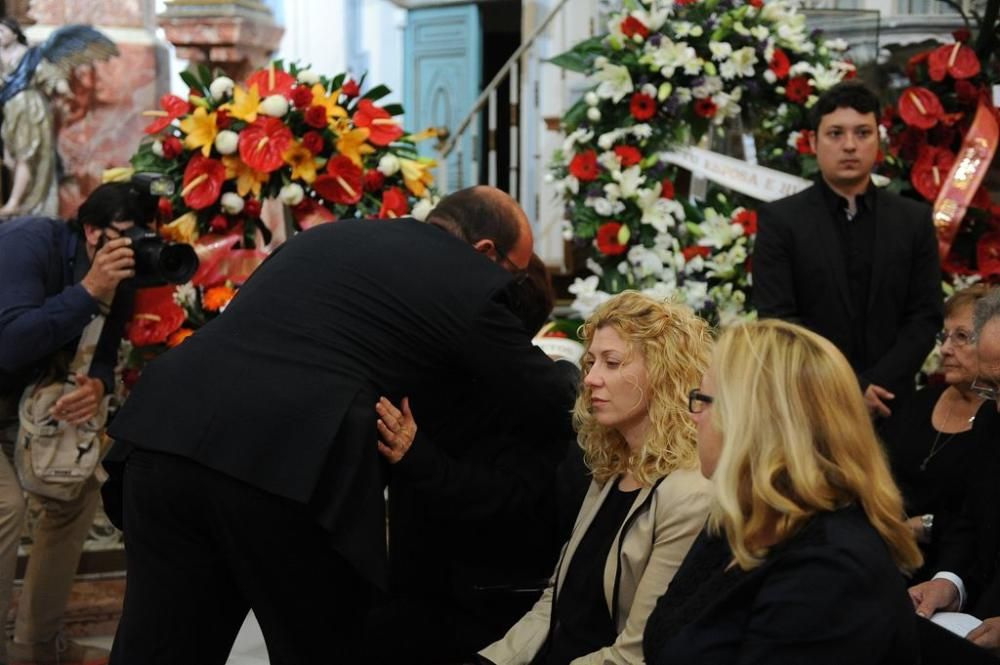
{"points": [[581, 622], [829, 595]]}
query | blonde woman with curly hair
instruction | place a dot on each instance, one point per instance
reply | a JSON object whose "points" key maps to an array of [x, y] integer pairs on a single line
{"points": [[803, 556], [647, 500]]}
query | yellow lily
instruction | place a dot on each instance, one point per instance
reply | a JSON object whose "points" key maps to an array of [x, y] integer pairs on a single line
{"points": [[302, 162], [117, 174], [183, 229], [201, 130], [417, 175], [429, 133], [329, 102], [245, 105], [247, 179], [354, 143]]}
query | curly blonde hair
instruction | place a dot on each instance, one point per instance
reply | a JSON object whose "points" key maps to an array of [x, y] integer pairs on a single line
{"points": [[796, 440], [676, 346]]}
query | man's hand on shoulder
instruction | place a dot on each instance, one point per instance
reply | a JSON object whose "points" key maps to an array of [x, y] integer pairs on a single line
{"points": [[876, 398], [934, 595], [112, 263]]}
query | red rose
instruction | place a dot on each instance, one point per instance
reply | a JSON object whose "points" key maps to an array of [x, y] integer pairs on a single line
{"points": [[920, 108], [706, 108], [219, 224], [263, 144], [202, 184], [394, 204], [316, 116], [172, 147], [748, 220], [667, 189], [584, 166], [374, 180], [798, 89], [802, 144], [381, 125], [851, 73], [955, 60], [165, 209], [252, 208], [757, 3], [628, 154], [632, 26], [607, 239], [222, 119], [695, 250], [966, 92], [780, 64], [643, 107], [351, 88], [313, 142], [302, 96]]}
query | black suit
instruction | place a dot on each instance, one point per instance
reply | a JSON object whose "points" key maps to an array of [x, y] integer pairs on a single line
{"points": [[278, 394], [801, 274]]}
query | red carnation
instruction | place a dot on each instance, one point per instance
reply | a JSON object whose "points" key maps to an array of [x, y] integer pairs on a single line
{"points": [[252, 208], [222, 119], [780, 64], [172, 107], [172, 147], [632, 26], [382, 127], [271, 81], [798, 89], [956, 60], [920, 108], [313, 142], [802, 144], [202, 182], [667, 189], [706, 108], [748, 220], [931, 170], [695, 250], [628, 154], [374, 180], [316, 116], [351, 88], [642, 106], [607, 239], [302, 97], [394, 204], [584, 166], [263, 144], [342, 182]]}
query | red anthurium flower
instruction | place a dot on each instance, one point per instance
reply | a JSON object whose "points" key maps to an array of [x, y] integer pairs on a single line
{"points": [[271, 81], [956, 60], [920, 108], [695, 250], [263, 144], [914, 62], [384, 129], [172, 107], [798, 89], [988, 254], [302, 96], [394, 204], [667, 189], [374, 180], [342, 182], [632, 26], [642, 107], [351, 88], [780, 64], [930, 170], [202, 183], [172, 147], [748, 220], [962, 35], [629, 155], [584, 166], [966, 92], [252, 208], [313, 142], [155, 316], [607, 239], [706, 108]]}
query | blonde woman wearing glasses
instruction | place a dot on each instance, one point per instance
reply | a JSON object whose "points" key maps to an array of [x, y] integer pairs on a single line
{"points": [[801, 560]]}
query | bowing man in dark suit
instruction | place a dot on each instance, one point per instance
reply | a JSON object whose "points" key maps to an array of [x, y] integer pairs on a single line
{"points": [[855, 264], [256, 482]]}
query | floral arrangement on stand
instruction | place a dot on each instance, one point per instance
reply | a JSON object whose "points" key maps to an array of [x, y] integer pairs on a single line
{"points": [[321, 146], [667, 74]]}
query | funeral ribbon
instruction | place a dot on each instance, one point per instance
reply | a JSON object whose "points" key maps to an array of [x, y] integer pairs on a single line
{"points": [[968, 171]]}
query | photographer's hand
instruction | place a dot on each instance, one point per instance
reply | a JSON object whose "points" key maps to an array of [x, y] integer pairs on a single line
{"points": [[81, 404], [112, 263]]}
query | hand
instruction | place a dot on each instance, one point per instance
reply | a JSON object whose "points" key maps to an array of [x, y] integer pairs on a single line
{"points": [[875, 399], [80, 405], [112, 263], [396, 429], [987, 635], [933, 595], [916, 525]]}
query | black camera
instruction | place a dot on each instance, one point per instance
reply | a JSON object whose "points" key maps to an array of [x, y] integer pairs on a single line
{"points": [[158, 262]]}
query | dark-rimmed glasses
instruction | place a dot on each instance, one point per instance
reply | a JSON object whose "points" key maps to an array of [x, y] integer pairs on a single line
{"points": [[520, 274], [697, 401]]}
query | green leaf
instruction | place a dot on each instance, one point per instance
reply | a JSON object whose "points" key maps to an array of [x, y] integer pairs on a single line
{"points": [[576, 114], [376, 93], [581, 57], [205, 74], [393, 109], [336, 82], [191, 79]]}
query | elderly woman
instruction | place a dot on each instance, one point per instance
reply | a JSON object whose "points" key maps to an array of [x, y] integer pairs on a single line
{"points": [[801, 560], [646, 502], [935, 437]]}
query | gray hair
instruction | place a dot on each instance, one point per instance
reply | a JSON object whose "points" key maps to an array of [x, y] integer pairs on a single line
{"points": [[987, 309]]}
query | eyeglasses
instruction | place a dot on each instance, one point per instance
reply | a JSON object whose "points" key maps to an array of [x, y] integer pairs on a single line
{"points": [[958, 337], [520, 274], [985, 389], [697, 401]]}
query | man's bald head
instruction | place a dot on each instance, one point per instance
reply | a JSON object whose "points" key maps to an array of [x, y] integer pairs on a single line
{"points": [[489, 220]]}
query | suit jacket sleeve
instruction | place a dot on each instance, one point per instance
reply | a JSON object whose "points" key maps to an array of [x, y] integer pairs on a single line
{"points": [[526, 637], [773, 271], [922, 317]]}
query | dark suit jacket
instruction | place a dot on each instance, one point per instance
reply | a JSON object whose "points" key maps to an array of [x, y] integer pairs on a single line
{"points": [[280, 390], [799, 275], [829, 595]]}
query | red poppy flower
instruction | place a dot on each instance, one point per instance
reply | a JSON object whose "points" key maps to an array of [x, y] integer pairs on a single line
{"points": [[313, 142], [956, 60], [629, 155], [988, 254], [316, 116], [351, 88], [222, 119], [382, 127], [271, 82], [966, 92], [780, 64], [667, 189], [695, 250], [342, 182], [802, 144], [748, 220], [706, 108], [394, 204], [584, 166], [171, 105], [302, 96], [632, 26], [643, 107], [919, 107], [263, 144], [155, 316], [607, 239], [202, 182], [374, 180], [252, 208], [931, 170], [172, 147], [798, 89]]}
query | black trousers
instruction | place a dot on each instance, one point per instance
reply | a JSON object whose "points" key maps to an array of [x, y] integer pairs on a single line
{"points": [[203, 549]]}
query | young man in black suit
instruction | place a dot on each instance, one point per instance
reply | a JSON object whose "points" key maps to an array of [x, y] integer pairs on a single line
{"points": [[256, 482], [853, 263]]}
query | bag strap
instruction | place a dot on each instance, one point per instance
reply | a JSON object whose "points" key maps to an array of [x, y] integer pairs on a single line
{"points": [[89, 338]]}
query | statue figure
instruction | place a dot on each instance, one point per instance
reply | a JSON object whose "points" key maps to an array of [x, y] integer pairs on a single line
{"points": [[32, 76]]}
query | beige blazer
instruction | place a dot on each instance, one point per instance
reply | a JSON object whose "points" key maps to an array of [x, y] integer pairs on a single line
{"points": [[661, 526]]}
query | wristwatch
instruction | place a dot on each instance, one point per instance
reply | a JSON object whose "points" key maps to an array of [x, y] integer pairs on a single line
{"points": [[927, 522]]}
